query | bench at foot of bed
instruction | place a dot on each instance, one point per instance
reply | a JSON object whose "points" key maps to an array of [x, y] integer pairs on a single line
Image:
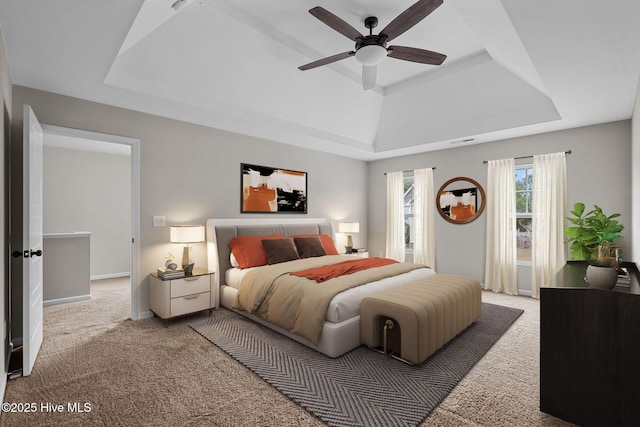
{"points": [[413, 321]]}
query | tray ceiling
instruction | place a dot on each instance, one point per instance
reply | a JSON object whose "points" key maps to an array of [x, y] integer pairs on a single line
{"points": [[513, 67]]}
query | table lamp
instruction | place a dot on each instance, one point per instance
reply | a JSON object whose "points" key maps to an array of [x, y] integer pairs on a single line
{"points": [[187, 234], [348, 227]]}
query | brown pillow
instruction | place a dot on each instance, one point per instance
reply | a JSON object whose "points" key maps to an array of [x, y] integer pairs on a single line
{"points": [[280, 250], [327, 242], [309, 246]]}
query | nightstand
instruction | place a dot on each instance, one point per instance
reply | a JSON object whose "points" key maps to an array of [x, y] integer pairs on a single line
{"points": [[176, 297], [363, 253]]}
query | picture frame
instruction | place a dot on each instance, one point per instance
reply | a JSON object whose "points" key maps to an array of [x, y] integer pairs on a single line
{"points": [[460, 200], [265, 189]]}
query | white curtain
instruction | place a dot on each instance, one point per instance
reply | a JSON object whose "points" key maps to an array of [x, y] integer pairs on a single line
{"points": [[501, 256], [395, 216], [424, 218], [549, 211]]}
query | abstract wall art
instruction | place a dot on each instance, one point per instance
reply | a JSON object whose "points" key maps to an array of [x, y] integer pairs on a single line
{"points": [[459, 204], [272, 190]]}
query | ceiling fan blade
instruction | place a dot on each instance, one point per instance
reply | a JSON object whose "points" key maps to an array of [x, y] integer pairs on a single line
{"points": [[327, 60], [407, 19], [369, 73], [336, 23], [416, 55]]}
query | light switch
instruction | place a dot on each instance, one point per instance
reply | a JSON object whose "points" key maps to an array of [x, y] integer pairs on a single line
{"points": [[158, 221]]}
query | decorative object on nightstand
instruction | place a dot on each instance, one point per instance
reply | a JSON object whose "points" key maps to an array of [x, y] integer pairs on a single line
{"points": [[167, 273], [187, 234], [188, 269], [169, 262], [170, 269], [348, 227]]}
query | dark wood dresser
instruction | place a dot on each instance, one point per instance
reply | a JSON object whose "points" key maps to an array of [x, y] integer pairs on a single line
{"points": [[590, 349]]}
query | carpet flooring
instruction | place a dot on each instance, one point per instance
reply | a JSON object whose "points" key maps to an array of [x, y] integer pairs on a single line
{"points": [[362, 387], [145, 374]]}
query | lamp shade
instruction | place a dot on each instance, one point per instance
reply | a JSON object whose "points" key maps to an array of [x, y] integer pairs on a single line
{"points": [[348, 227], [186, 233]]}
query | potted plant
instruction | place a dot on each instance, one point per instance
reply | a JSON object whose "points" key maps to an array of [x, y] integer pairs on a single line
{"points": [[592, 238]]}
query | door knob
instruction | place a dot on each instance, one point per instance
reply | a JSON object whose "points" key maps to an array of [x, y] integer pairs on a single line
{"points": [[36, 253]]}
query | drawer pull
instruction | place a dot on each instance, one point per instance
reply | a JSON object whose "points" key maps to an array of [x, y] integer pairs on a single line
{"points": [[190, 279], [191, 296]]}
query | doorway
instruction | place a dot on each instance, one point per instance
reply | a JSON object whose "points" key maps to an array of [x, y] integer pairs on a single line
{"points": [[109, 145]]}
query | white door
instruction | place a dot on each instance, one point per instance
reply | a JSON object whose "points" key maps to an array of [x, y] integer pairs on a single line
{"points": [[32, 240]]}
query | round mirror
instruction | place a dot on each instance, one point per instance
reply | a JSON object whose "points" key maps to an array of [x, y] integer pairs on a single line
{"points": [[460, 200]]}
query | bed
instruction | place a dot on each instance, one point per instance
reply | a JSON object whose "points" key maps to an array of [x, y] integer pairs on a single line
{"points": [[340, 331]]}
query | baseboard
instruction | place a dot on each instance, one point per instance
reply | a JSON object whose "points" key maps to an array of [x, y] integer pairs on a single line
{"points": [[47, 303], [110, 276], [523, 292], [145, 315]]}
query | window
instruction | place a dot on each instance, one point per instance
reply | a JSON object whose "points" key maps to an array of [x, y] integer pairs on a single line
{"points": [[409, 203], [524, 194]]}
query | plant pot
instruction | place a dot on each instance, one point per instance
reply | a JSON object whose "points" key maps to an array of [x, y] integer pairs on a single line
{"points": [[601, 277]]}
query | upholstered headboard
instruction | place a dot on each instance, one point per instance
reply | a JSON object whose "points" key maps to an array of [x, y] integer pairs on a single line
{"points": [[221, 231]]}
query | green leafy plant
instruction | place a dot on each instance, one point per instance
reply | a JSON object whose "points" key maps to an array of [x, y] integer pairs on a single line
{"points": [[592, 234]]}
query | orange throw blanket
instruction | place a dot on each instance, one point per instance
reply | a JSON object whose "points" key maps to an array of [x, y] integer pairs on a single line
{"points": [[324, 273]]}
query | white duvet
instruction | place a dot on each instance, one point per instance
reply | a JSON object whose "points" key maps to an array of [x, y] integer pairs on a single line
{"points": [[346, 304]]}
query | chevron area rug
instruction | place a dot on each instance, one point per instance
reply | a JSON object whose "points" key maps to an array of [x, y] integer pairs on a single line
{"points": [[362, 387]]}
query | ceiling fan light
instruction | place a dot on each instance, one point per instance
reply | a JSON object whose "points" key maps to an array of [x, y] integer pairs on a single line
{"points": [[371, 54]]}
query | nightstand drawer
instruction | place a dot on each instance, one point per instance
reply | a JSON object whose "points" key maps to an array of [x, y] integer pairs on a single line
{"points": [[190, 285], [190, 303]]}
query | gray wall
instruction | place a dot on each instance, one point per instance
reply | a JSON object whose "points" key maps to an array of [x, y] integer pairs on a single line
{"points": [[5, 126], [190, 173], [599, 172], [91, 191], [65, 269]]}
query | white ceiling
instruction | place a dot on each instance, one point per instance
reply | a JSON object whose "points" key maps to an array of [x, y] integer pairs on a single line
{"points": [[514, 67]]}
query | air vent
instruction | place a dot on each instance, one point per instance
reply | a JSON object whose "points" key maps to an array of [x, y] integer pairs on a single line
{"points": [[179, 4], [462, 141]]}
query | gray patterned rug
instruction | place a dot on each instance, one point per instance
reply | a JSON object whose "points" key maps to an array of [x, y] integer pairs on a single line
{"points": [[362, 387]]}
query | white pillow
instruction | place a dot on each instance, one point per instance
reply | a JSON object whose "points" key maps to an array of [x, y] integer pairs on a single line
{"points": [[233, 260]]}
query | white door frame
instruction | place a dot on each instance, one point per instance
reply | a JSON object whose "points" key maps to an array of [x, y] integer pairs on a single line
{"points": [[135, 200]]}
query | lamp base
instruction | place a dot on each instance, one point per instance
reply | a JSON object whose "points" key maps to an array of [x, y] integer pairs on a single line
{"points": [[187, 256], [349, 246]]}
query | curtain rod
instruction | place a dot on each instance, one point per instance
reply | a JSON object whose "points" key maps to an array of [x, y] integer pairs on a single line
{"points": [[524, 157], [433, 167]]}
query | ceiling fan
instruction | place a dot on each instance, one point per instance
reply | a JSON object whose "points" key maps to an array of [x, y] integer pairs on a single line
{"points": [[370, 50]]}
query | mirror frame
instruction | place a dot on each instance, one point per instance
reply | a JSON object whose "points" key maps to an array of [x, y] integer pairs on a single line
{"points": [[466, 220]]}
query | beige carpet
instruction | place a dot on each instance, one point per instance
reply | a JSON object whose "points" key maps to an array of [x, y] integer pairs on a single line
{"points": [[143, 374]]}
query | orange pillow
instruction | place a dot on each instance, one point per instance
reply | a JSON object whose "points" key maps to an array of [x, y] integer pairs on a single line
{"points": [[249, 251], [327, 242]]}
